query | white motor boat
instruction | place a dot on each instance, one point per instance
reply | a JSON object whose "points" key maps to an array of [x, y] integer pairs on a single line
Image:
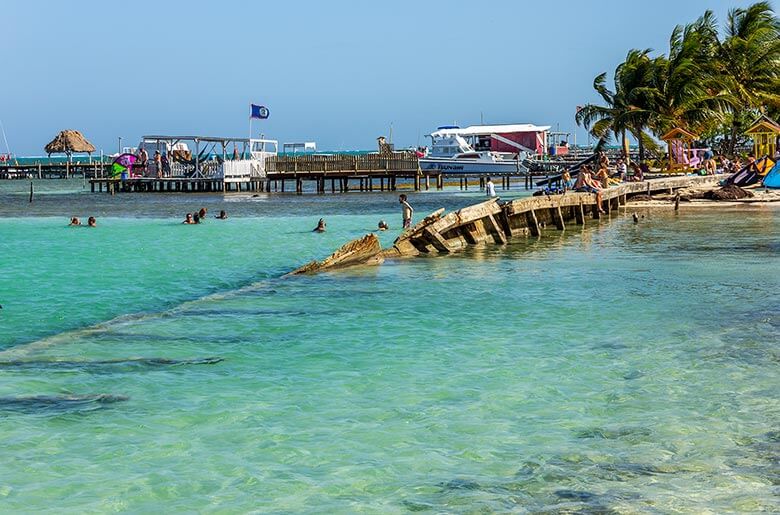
{"points": [[451, 154]]}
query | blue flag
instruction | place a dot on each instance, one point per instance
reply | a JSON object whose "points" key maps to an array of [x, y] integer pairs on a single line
{"points": [[260, 112]]}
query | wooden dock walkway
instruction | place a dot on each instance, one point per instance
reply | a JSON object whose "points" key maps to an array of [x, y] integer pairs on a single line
{"points": [[41, 170], [494, 222], [337, 173]]}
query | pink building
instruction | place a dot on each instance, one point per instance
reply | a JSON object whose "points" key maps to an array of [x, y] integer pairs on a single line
{"points": [[501, 138]]}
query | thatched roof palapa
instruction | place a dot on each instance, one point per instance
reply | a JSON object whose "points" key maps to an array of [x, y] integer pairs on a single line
{"points": [[68, 142]]}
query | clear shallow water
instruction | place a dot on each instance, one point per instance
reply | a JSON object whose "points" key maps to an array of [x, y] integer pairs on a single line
{"points": [[625, 368]]}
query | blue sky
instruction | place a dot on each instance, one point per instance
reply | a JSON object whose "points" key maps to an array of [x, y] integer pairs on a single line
{"points": [[339, 73]]}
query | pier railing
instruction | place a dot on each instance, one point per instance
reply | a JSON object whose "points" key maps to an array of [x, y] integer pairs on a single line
{"points": [[229, 170], [395, 162]]}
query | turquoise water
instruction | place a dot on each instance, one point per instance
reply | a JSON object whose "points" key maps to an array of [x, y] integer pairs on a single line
{"points": [[620, 368]]}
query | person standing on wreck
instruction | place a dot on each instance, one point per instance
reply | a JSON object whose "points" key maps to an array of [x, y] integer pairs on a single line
{"points": [[406, 210]]}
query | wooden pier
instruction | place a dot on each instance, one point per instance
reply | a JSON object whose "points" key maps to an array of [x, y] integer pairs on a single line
{"points": [[337, 173], [494, 222], [41, 170]]}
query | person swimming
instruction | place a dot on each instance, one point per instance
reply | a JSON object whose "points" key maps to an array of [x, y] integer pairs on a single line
{"points": [[74, 220], [91, 221], [188, 219], [382, 225], [222, 215], [320, 226]]}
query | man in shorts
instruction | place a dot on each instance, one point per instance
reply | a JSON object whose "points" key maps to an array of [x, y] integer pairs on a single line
{"points": [[407, 211]]}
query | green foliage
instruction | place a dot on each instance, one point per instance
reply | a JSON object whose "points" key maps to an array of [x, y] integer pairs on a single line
{"points": [[708, 83]]}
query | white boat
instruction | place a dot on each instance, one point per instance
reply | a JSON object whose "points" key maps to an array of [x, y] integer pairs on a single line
{"points": [[450, 153]]}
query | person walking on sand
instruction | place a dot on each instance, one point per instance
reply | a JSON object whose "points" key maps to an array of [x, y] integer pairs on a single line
{"points": [[406, 210], [490, 188]]}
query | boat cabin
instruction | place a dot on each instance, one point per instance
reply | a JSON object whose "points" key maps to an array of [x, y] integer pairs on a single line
{"points": [[509, 138]]}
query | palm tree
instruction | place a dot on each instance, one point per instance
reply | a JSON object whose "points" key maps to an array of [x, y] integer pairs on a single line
{"points": [[625, 110], [748, 62], [684, 93]]}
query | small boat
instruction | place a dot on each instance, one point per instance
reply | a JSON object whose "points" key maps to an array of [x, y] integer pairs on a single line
{"points": [[451, 154], [484, 162]]}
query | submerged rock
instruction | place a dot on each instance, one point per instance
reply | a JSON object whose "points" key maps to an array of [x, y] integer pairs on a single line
{"points": [[58, 403], [460, 484]]}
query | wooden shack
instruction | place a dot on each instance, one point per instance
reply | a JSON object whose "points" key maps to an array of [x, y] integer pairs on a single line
{"points": [[765, 133], [679, 142]]}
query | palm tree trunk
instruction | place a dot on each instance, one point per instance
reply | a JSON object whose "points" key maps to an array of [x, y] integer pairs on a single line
{"points": [[624, 144], [733, 138], [641, 147]]}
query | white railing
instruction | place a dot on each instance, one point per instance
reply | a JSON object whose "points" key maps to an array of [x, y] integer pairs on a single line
{"points": [[242, 169]]}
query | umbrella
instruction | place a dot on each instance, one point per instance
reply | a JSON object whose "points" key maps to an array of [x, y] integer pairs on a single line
{"points": [[68, 142]]}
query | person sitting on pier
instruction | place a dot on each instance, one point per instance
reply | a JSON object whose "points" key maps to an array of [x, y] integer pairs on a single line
{"points": [[91, 221], [320, 226], [74, 221], [585, 184], [222, 215], [621, 169], [710, 166], [634, 173], [188, 219], [645, 169], [566, 182], [602, 177], [603, 160], [382, 225]]}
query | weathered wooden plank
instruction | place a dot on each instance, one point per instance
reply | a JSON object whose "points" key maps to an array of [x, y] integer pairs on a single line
{"points": [[365, 250], [558, 218], [498, 232], [533, 223], [436, 239]]}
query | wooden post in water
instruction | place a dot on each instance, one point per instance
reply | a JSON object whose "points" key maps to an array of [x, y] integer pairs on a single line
{"points": [[31, 191], [558, 216], [579, 214], [533, 222]]}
